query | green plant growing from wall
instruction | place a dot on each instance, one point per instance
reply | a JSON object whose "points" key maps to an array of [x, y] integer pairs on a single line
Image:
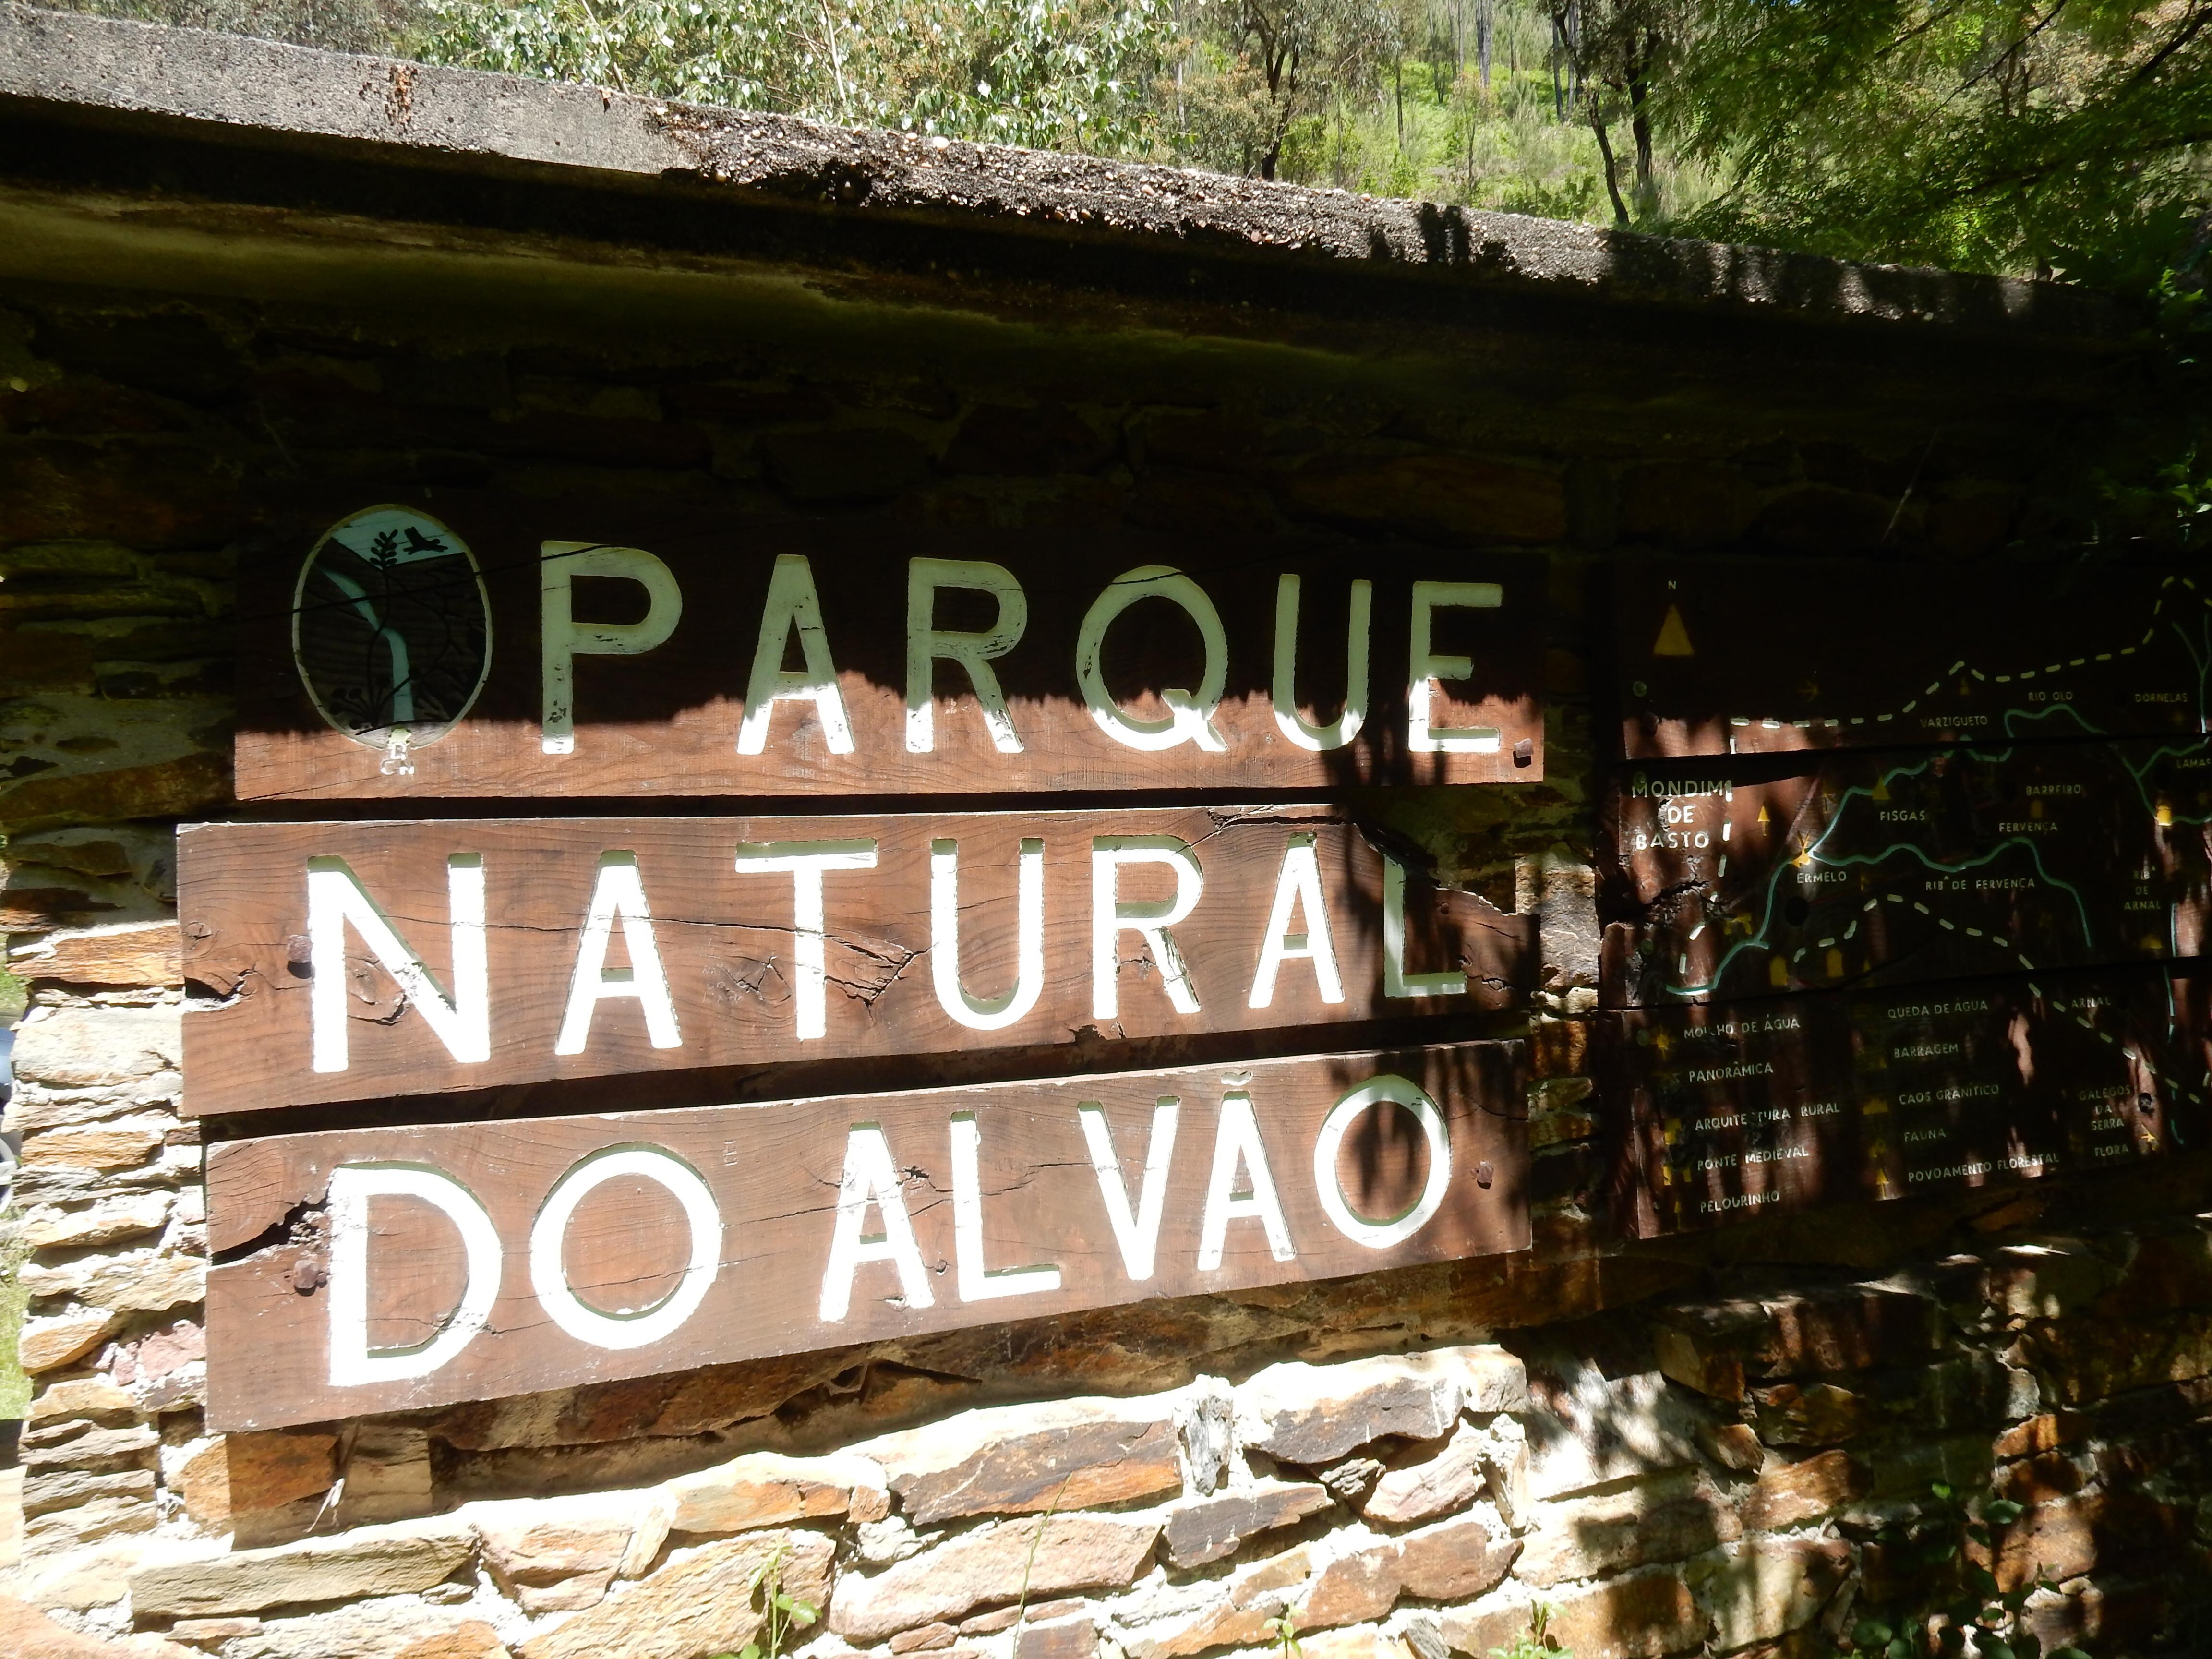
{"points": [[1962, 1605], [1537, 1642], [1283, 1635], [781, 1612]]}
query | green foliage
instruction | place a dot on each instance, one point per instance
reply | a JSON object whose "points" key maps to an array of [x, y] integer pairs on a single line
{"points": [[1960, 1605], [1064, 74], [1536, 1642], [781, 1612], [2188, 483], [1283, 1635], [2012, 135], [2061, 137], [1254, 70], [14, 1297]]}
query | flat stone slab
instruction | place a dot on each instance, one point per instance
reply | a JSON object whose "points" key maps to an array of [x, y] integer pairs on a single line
{"points": [[1213, 1528], [1050, 1555], [394, 1560], [1019, 1460]]}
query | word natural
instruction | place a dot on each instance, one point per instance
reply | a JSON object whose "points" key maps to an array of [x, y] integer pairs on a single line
{"points": [[361, 961], [470, 1261], [789, 661]]}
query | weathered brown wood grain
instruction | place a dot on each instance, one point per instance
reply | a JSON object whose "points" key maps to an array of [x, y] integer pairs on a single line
{"points": [[726, 941], [774, 1171]]}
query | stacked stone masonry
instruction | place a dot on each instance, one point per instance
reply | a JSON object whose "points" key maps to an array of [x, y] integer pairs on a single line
{"points": [[1698, 1446], [1725, 1500]]}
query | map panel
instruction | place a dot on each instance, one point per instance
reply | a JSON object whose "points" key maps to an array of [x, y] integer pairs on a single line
{"points": [[1757, 877], [1725, 1112], [1743, 656]]}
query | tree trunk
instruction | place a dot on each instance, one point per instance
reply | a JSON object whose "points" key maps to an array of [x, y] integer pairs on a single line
{"points": [[1281, 69], [1482, 25], [1639, 123], [1397, 77], [1558, 51], [1573, 40], [1611, 179]]}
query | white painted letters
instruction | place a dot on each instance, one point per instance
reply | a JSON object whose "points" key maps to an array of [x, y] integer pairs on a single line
{"points": [[1236, 1141], [617, 893], [336, 899], [626, 1327], [1288, 720], [977, 1013], [1112, 915], [793, 604], [1190, 713], [926, 643], [1138, 1235], [561, 641], [979, 1283], [1396, 982], [353, 1364], [1391, 1229], [869, 1178], [1427, 666], [1297, 883], [806, 861]]}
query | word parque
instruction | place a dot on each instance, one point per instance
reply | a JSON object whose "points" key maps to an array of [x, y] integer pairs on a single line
{"points": [[803, 660]]}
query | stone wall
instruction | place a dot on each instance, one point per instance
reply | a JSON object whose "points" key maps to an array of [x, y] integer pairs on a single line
{"points": [[1703, 1444]]}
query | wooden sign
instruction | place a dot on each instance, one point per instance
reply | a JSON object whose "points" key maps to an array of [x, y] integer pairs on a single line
{"points": [[381, 1270], [1748, 656], [486, 645], [1719, 1113], [1757, 875], [362, 960]]}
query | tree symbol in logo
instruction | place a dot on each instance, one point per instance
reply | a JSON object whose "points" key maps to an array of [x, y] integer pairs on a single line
{"points": [[390, 628]]}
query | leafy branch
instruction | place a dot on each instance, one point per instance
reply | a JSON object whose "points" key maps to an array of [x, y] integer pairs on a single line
{"points": [[1967, 1607], [1537, 1642]]}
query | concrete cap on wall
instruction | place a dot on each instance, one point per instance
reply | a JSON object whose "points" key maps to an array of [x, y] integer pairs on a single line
{"points": [[299, 125]]}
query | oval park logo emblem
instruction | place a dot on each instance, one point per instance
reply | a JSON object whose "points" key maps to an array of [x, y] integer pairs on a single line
{"points": [[391, 630]]}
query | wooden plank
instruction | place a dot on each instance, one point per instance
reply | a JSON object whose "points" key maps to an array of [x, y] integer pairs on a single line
{"points": [[992, 1184], [1749, 656], [1750, 876], [663, 709], [749, 982], [1722, 1112]]}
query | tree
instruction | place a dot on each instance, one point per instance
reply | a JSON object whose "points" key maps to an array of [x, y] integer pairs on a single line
{"points": [[2052, 136], [2063, 137], [1051, 74], [1260, 66]]}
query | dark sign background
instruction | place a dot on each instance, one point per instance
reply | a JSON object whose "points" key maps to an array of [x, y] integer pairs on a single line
{"points": [[1722, 1112], [1750, 656]]}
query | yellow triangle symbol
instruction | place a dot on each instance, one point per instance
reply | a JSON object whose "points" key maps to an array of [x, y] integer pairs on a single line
{"points": [[1674, 638], [1880, 790], [1766, 816]]}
